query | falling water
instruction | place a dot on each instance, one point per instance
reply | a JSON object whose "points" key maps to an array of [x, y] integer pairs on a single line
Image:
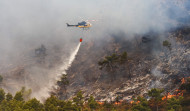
{"points": [[70, 60], [44, 92]]}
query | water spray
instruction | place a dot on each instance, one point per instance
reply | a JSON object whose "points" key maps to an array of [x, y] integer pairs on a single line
{"points": [[44, 93]]}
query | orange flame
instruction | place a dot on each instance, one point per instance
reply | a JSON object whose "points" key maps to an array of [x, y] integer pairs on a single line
{"points": [[100, 103], [178, 93], [168, 96], [118, 103], [135, 102], [182, 80], [132, 102]]}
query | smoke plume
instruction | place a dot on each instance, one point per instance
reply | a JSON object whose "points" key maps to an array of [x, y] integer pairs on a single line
{"points": [[26, 24]]}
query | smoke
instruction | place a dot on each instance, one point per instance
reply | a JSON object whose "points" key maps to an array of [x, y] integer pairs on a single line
{"points": [[157, 74], [44, 92], [26, 24]]}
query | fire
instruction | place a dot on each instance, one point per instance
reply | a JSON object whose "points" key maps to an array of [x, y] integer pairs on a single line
{"points": [[100, 103], [168, 96], [118, 103], [182, 80], [135, 102], [178, 93], [132, 102]]}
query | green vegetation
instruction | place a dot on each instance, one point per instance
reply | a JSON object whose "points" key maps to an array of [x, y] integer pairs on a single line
{"points": [[9, 97], [154, 103], [63, 82], [2, 95], [174, 104], [92, 103], [167, 44], [156, 98], [140, 104], [1, 79], [111, 63]]}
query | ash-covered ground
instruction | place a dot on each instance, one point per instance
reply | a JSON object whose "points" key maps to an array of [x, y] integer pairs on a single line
{"points": [[150, 64]]}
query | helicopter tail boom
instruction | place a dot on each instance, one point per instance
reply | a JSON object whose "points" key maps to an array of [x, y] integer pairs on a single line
{"points": [[71, 25]]}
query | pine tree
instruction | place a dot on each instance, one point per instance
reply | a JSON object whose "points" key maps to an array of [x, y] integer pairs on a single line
{"points": [[140, 104], [19, 96], [174, 103], [9, 96], [92, 103], [51, 104], [33, 104], [78, 100], [156, 97], [2, 95]]}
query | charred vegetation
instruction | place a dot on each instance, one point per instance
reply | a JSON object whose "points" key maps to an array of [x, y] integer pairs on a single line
{"points": [[150, 61]]}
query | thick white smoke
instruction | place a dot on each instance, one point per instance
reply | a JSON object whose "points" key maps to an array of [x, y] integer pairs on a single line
{"points": [[44, 92], [26, 24]]}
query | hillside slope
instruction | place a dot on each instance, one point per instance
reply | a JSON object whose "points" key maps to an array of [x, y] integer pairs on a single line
{"points": [[149, 65]]}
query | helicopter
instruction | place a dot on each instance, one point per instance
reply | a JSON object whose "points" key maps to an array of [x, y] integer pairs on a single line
{"points": [[83, 24]]}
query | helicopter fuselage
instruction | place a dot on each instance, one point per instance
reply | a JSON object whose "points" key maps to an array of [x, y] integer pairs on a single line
{"points": [[82, 24]]}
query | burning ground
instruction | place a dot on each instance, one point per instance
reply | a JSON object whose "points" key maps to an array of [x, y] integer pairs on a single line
{"points": [[149, 64]]}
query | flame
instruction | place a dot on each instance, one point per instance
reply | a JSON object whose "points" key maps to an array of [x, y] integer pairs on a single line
{"points": [[168, 96], [118, 103], [100, 103], [135, 102], [131, 102], [182, 80], [178, 93]]}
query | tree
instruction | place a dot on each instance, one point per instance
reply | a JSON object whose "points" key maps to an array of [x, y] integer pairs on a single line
{"points": [[2, 95], [174, 104], [140, 104], [108, 62], [108, 106], [156, 97], [70, 107], [123, 57], [26, 93], [15, 105], [51, 104], [19, 96], [61, 104], [78, 100], [33, 105], [92, 103], [1, 79], [63, 82], [9, 96], [167, 44], [5, 106]]}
